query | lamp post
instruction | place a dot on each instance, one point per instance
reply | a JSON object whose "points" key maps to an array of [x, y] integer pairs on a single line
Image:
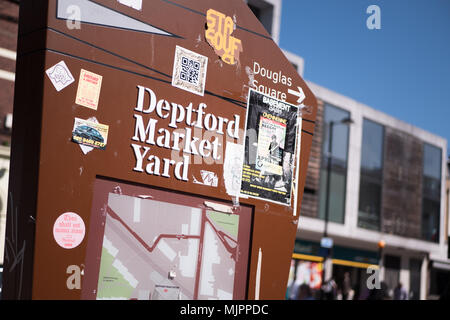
{"points": [[345, 121]]}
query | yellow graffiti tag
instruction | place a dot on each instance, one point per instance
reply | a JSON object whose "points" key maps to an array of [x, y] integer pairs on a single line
{"points": [[218, 35]]}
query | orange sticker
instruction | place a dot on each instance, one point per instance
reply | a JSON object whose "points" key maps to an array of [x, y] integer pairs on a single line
{"points": [[218, 34], [88, 91]]}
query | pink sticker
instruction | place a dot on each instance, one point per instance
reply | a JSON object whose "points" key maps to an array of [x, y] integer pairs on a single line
{"points": [[69, 230]]}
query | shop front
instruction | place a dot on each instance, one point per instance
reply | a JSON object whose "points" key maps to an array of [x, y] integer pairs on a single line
{"points": [[349, 270], [439, 280]]}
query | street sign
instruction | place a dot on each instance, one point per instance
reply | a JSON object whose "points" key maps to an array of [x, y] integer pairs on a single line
{"points": [[326, 242], [128, 150]]}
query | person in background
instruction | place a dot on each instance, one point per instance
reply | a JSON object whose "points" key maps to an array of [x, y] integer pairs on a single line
{"points": [[293, 290], [346, 287], [329, 290], [304, 292], [380, 294], [400, 292]]}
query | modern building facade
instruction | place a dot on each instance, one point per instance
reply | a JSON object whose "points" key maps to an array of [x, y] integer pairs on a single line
{"points": [[386, 183]]}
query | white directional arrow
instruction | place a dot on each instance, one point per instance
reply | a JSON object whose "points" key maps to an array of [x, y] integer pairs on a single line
{"points": [[98, 14], [300, 94]]}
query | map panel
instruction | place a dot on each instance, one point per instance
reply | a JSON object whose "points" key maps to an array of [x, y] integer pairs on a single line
{"points": [[159, 250]]}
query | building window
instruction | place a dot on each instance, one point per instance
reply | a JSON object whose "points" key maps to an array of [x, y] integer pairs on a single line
{"points": [[263, 11], [371, 176], [338, 157], [431, 192], [295, 66], [415, 266], [391, 272]]}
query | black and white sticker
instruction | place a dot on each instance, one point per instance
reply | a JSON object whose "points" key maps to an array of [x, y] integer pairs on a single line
{"points": [[60, 75], [189, 71]]}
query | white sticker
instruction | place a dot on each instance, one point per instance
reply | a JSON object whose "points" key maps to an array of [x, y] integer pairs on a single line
{"points": [[209, 178], [60, 75], [232, 168], [219, 207], [189, 71], [69, 230]]}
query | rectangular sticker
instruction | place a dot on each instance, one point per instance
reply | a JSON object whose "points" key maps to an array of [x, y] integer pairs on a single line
{"points": [[267, 172], [88, 91], [90, 133]]}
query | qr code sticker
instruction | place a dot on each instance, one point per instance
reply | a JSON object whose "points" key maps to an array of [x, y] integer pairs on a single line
{"points": [[189, 71]]}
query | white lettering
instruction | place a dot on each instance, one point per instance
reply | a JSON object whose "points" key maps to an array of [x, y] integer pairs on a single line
{"points": [[374, 20]]}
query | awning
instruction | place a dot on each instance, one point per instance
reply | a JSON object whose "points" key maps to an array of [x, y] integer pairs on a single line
{"points": [[441, 265], [346, 256]]}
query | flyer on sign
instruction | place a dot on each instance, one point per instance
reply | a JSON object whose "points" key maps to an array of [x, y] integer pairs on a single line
{"points": [[90, 133], [271, 130]]}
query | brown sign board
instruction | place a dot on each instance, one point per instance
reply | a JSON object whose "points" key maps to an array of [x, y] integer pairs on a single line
{"points": [[159, 151]]}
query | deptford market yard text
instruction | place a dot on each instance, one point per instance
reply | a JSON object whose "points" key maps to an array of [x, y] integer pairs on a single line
{"points": [[148, 134]]}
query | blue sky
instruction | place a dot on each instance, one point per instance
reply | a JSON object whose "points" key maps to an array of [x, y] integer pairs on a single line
{"points": [[403, 69]]}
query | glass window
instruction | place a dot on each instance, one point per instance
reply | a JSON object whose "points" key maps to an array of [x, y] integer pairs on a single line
{"points": [[264, 12], [337, 164], [371, 176], [391, 272], [431, 193], [415, 266]]}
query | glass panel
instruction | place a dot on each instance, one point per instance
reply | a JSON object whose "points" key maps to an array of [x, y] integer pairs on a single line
{"points": [[430, 220], [414, 279], [431, 188], [336, 197], [369, 205], [432, 157], [339, 148], [338, 164], [391, 273], [432, 161], [264, 12], [372, 148], [439, 280], [371, 176]]}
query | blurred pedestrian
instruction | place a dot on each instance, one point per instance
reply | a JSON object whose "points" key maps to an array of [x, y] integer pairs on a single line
{"points": [[304, 292], [380, 294], [364, 295], [329, 290], [400, 292], [293, 291], [346, 287]]}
